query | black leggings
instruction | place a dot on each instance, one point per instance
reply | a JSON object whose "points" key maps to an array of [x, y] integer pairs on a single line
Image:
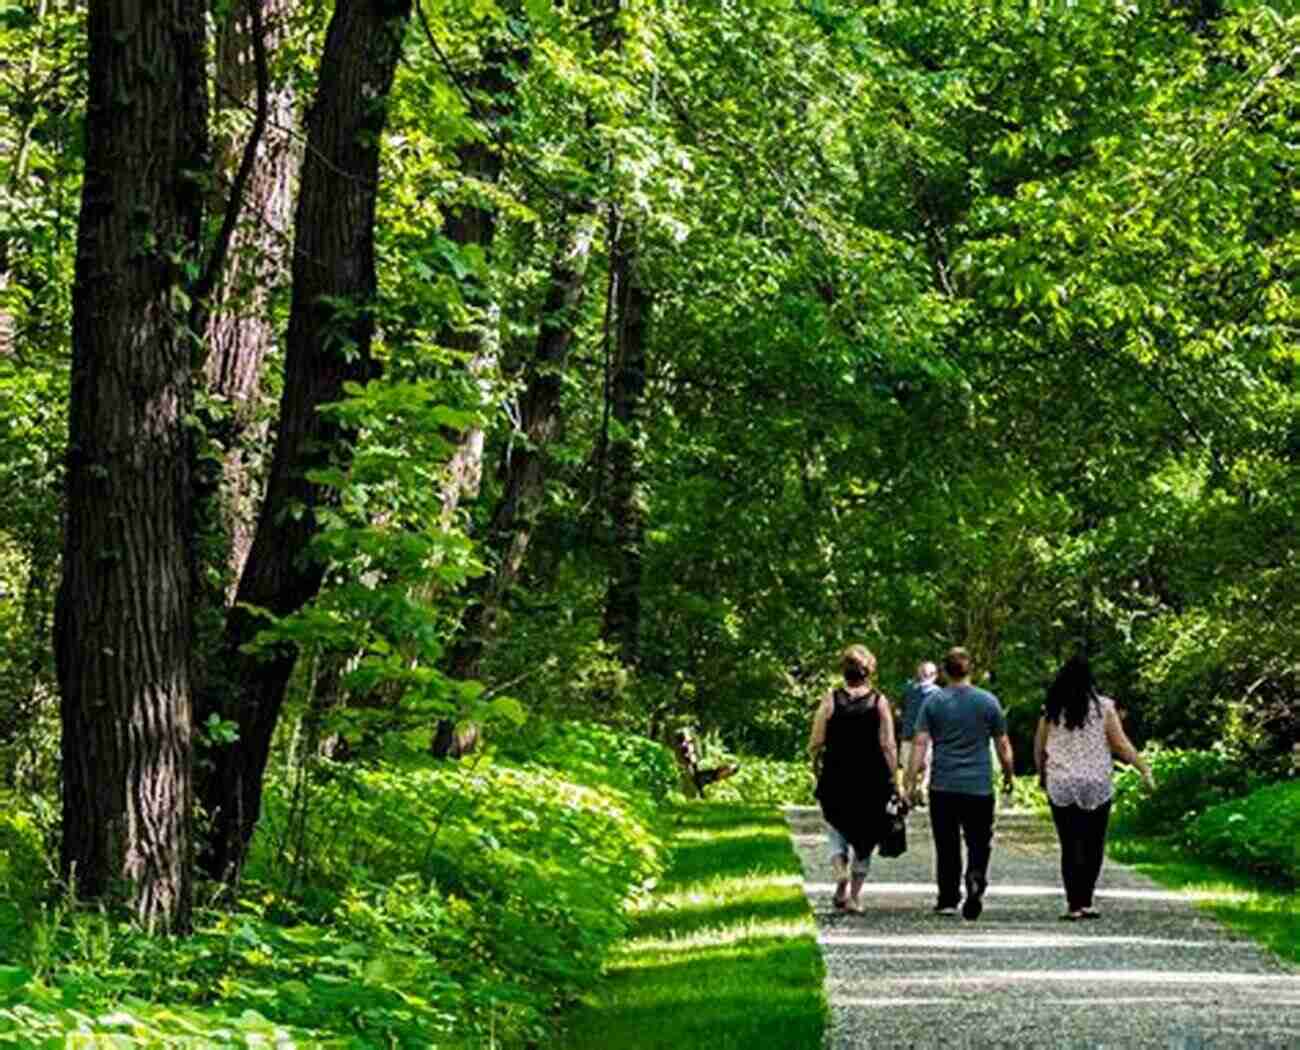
{"points": [[1083, 847]]}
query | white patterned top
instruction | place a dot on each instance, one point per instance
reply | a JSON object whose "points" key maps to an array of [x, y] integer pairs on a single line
{"points": [[1079, 765]]}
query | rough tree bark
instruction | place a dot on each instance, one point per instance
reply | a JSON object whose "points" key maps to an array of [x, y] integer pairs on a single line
{"points": [[331, 326], [123, 615], [622, 622], [241, 332]]}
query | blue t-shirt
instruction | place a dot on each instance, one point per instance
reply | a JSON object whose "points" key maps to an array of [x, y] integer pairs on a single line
{"points": [[961, 720], [914, 697]]}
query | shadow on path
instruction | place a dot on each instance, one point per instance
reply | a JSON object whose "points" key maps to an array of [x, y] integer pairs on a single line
{"points": [[1155, 971]]}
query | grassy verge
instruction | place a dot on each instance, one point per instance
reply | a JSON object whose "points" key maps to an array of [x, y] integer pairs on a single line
{"points": [[724, 955], [1256, 909]]}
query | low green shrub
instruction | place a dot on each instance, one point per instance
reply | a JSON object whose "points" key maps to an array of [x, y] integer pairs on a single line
{"points": [[1187, 784], [595, 754], [22, 869], [1026, 794], [766, 781], [415, 904], [510, 882], [1259, 833]]}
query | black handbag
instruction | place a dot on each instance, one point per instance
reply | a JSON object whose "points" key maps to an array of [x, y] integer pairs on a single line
{"points": [[894, 842]]}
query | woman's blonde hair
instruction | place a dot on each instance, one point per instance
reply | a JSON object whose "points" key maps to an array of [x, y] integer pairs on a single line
{"points": [[860, 657]]}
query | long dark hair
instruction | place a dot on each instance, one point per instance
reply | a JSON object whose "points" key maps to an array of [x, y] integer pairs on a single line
{"points": [[1072, 693]]}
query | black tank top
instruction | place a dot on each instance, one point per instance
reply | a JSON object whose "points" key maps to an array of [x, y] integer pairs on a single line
{"points": [[852, 755]]}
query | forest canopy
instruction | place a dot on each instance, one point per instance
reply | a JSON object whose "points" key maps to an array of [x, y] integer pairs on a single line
{"points": [[372, 366]]}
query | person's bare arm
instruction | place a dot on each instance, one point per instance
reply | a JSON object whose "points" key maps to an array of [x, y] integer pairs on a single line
{"points": [[1122, 747], [817, 738], [1007, 760], [1040, 751], [916, 762], [887, 745]]}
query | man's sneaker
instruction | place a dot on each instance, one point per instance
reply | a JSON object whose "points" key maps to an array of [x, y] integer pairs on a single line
{"points": [[974, 903], [945, 909]]}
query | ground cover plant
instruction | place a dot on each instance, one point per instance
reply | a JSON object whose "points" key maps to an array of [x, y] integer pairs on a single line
{"points": [[1190, 782], [412, 904], [1259, 833], [767, 780], [723, 954]]}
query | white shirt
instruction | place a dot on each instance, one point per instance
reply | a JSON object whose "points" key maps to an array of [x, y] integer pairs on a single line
{"points": [[1079, 765]]}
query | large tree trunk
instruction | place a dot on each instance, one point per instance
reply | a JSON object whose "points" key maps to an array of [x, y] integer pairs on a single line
{"points": [[241, 332], [472, 222], [123, 618], [622, 624], [331, 325], [524, 462]]}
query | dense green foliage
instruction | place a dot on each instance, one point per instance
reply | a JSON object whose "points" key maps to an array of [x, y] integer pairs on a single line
{"points": [[763, 780], [1187, 783], [403, 905], [967, 324], [723, 954], [1259, 834]]}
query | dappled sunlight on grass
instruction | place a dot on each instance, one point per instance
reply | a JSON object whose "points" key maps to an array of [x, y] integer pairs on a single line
{"points": [[701, 911], [724, 955], [744, 831], [715, 936], [724, 887]]}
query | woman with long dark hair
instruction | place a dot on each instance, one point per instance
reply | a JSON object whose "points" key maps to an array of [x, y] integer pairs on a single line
{"points": [[855, 760], [1078, 733]]}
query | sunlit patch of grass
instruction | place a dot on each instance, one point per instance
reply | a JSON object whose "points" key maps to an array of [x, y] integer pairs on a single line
{"points": [[1248, 905], [724, 955]]}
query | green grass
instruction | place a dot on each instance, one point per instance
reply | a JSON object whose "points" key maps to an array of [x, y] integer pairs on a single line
{"points": [[1264, 912], [724, 955]]}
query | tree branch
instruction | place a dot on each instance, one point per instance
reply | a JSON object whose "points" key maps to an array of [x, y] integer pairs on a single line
{"points": [[217, 260]]}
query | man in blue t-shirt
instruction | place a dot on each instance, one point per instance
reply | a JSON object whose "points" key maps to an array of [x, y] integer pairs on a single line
{"points": [[957, 724], [917, 692]]}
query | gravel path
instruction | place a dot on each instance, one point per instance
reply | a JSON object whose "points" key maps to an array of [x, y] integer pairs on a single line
{"points": [[1154, 971]]}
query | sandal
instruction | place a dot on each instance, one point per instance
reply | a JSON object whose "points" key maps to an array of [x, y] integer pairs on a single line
{"points": [[1090, 913], [1072, 916]]}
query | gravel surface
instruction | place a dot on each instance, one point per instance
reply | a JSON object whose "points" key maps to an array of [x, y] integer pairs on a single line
{"points": [[1154, 971]]}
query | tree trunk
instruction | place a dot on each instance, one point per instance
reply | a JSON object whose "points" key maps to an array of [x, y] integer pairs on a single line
{"points": [[523, 463], [123, 616], [331, 325], [470, 223], [622, 624], [241, 332]]}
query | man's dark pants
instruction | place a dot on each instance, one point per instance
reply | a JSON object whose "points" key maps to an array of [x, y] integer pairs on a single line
{"points": [[954, 816]]}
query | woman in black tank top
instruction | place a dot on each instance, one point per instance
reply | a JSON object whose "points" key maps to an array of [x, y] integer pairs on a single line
{"points": [[854, 756]]}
